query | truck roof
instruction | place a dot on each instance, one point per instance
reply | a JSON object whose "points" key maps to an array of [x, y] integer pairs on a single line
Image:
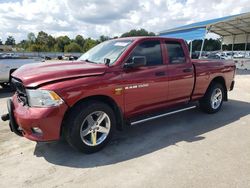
{"points": [[145, 37]]}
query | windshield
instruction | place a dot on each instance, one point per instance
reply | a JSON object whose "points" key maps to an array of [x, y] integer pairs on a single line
{"points": [[110, 50]]}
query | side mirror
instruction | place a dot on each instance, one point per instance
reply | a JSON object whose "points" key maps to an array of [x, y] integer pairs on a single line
{"points": [[137, 61]]}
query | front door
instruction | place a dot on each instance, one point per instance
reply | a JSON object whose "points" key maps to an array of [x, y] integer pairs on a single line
{"points": [[145, 87]]}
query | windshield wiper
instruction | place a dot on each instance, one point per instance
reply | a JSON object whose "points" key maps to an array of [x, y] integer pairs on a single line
{"points": [[89, 61], [86, 60]]}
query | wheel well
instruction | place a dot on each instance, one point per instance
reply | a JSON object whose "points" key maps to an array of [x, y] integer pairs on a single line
{"points": [[109, 101], [220, 80]]}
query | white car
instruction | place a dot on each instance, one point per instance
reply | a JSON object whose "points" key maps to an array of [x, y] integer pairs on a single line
{"points": [[224, 55], [238, 55]]}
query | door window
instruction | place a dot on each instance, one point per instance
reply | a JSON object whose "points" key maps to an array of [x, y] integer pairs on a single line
{"points": [[175, 53], [151, 50]]}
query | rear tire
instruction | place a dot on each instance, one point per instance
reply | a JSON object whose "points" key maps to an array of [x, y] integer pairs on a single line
{"points": [[89, 126], [213, 98]]}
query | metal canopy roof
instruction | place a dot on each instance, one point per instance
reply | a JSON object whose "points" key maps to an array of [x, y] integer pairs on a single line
{"points": [[233, 29], [235, 25], [202, 24]]}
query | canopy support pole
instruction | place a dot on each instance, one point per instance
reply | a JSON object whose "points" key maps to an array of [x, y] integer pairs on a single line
{"points": [[221, 46], [203, 41], [191, 48], [246, 45], [233, 46], [202, 46]]}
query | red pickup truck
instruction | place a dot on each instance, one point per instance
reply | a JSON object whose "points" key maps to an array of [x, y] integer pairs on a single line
{"points": [[115, 84]]}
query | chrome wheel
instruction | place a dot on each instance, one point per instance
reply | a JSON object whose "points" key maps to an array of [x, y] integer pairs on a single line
{"points": [[216, 98], [95, 128]]}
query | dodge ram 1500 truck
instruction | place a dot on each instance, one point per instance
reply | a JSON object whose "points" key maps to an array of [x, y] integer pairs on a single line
{"points": [[118, 83]]}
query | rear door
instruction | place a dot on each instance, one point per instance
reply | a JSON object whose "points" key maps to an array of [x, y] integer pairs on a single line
{"points": [[180, 73], [146, 87]]}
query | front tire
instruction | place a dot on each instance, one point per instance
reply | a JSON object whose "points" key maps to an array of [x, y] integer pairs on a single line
{"points": [[89, 126], [213, 98]]}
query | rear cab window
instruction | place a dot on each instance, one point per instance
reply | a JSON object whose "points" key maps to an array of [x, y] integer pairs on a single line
{"points": [[175, 52], [151, 50]]}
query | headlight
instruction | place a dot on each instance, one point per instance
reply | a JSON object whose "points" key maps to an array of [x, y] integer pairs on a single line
{"points": [[43, 98]]}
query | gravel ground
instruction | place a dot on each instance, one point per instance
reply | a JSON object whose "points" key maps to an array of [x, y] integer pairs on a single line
{"points": [[189, 149]]}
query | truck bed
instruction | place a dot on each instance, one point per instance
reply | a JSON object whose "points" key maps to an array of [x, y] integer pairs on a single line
{"points": [[207, 69]]}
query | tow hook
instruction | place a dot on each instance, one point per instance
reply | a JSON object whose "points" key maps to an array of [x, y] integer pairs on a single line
{"points": [[5, 117]]}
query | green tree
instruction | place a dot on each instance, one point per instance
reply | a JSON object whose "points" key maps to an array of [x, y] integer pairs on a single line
{"points": [[42, 41], [31, 38], [212, 45], [103, 38], [196, 45], [51, 42], [24, 44], [209, 45], [10, 41], [61, 42], [42, 38], [89, 43], [140, 32], [1, 42], [79, 40], [38, 48], [73, 47]]}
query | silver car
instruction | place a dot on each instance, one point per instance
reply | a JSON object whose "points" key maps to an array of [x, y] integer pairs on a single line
{"points": [[8, 66]]}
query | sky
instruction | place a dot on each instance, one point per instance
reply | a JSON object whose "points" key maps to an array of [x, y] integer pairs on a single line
{"points": [[92, 18]]}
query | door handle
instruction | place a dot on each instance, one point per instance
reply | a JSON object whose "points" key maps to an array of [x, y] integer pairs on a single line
{"points": [[160, 74], [188, 70]]}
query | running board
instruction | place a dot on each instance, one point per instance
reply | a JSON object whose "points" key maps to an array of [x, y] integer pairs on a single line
{"points": [[162, 115]]}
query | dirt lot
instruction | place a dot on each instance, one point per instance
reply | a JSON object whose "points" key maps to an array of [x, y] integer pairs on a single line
{"points": [[190, 149]]}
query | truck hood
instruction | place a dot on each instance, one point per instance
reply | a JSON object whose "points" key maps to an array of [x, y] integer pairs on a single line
{"points": [[33, 75]]}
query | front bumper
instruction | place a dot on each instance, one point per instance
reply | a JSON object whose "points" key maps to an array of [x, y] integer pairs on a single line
{"points": [[24, 119]]}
